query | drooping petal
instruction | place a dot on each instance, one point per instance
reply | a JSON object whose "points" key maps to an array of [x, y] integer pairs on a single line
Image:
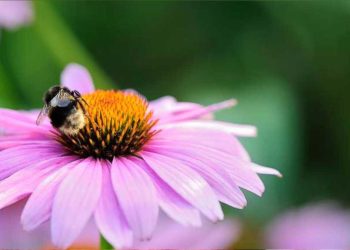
{"points": [[76, 77], [265, 170], [108, 215], [172, 203], [38, 207], [23, 182], [210, 138], [186, 182], [75, 201], [234, 129], [239, 170], [136, 195], [177, 207], [225, 190]]}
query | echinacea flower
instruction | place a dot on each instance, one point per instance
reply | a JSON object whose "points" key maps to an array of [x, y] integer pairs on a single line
{"points": [[131, 160], [316, 226], [171, 235], [15, 13]]}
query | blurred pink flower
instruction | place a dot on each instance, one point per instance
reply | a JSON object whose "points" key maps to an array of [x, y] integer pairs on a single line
{"points": [[170, 235], [14, 13], [317, 226], [130, 160]]}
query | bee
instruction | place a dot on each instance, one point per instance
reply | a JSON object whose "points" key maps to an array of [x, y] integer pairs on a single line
{"points": [[64, 108]]}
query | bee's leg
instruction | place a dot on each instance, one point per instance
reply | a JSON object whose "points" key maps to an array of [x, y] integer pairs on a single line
{"points": [[84, 101], [81, 105], [75, 93]]}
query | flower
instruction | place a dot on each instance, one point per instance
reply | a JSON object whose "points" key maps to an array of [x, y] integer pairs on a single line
{"points": [[131, 159], [170, 235], [316, 226], [15, 13]]}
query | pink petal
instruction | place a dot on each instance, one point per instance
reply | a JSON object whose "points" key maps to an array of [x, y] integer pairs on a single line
{"points": [[164, 103], [16, 122], [197, 113], [167, 107], [15, 13], [109, 216], [177, 208], [227, 192], [136, 195], [38, 207], [172, 203], [75, 201], [23, 182], [17, 158], [234, 129], [17, 115], [239, 170], [214, 139], [6, 143], [76, 77], [265, 170], [186, 182]]}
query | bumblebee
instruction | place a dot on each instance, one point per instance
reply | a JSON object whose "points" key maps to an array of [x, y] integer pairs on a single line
{"points": [[64, 108]]}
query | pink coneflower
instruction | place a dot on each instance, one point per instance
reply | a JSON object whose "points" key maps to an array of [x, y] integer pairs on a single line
{"points": [[131, 159], [170, 235], [15, 13], [317, 226]]}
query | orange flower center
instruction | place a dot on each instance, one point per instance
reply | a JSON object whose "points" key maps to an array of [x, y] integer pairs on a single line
{"points": [[116, 123]]}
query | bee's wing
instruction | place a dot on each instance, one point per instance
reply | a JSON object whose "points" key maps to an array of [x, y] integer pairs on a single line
{"points": [[43, 113], [62, 99]]}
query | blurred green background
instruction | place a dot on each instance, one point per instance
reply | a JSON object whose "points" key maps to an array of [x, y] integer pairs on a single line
{"points": [[286, 62]]}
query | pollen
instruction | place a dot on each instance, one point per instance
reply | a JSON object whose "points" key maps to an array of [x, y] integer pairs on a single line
{"points": [[117, 123]]}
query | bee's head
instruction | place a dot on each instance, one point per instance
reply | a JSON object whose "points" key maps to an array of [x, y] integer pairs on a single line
{"points": [[51, 93]]}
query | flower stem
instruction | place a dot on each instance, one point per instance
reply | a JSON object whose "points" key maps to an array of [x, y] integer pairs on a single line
{"points": [[104, 244]]}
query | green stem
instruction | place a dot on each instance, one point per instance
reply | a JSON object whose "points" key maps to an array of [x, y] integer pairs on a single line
{"points": [[104, 244], [62, 42]]}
